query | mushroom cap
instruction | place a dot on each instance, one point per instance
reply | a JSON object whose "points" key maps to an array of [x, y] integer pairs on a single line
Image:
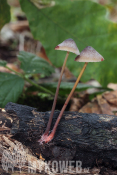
{"points": [[68, 45], [89, 54]]}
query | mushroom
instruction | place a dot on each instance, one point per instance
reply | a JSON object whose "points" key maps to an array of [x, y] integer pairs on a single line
{"points": [[70, 46], [89, 54]]}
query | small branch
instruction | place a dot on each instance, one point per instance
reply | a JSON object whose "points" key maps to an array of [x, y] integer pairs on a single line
{"points": [[38, 86], [17, 73], [32, 83]]}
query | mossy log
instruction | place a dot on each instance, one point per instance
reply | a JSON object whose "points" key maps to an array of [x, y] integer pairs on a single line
{"points": [[90, 138]]}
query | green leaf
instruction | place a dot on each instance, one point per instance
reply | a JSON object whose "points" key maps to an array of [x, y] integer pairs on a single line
{"points": [[4, 13], [3, 63], [68, 85], [84, 21], [65, 87], [11, 87], [32, 64], [44, 95]]}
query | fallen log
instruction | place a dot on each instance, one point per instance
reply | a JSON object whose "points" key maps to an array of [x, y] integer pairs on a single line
{"points": [[89, 138]]}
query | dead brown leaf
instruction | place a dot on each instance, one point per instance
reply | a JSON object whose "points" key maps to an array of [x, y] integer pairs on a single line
{"points": [[102, 104], [11, 66]]}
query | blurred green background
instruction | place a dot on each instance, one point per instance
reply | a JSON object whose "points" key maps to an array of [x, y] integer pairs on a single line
{"points": [[89, 23]]}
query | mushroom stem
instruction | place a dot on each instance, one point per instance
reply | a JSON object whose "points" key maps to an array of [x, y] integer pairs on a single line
{"points": [[54, 102], [56, 95], [50, 137]]}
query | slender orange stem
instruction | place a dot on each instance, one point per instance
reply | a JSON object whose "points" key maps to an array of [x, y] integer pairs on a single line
{"points": [[50, 137], [56, 95]]}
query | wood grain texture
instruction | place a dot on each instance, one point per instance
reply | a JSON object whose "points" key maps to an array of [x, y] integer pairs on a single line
{"points": [[90, 138]]}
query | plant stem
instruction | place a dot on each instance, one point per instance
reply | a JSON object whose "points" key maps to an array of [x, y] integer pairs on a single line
{"points": [[31, 82], [39, 87], [50, 137], [56, 95], [17, 73]]}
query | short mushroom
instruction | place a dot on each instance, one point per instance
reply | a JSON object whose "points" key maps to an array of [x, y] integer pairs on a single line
{"points": [[70, 46], [89, 54]]}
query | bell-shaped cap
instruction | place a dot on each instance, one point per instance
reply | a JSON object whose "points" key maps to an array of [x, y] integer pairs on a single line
{"points": [[68, 45], [89, 54]]}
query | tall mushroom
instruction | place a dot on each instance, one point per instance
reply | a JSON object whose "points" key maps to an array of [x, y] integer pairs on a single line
{"points": [[70, 46], [89, 54]]}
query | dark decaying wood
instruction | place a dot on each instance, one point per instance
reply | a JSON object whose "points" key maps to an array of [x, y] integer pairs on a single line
{"points": [[90, 138]]}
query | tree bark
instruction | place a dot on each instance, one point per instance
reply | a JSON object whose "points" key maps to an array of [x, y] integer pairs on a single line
{"points": [[89, 138]]}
